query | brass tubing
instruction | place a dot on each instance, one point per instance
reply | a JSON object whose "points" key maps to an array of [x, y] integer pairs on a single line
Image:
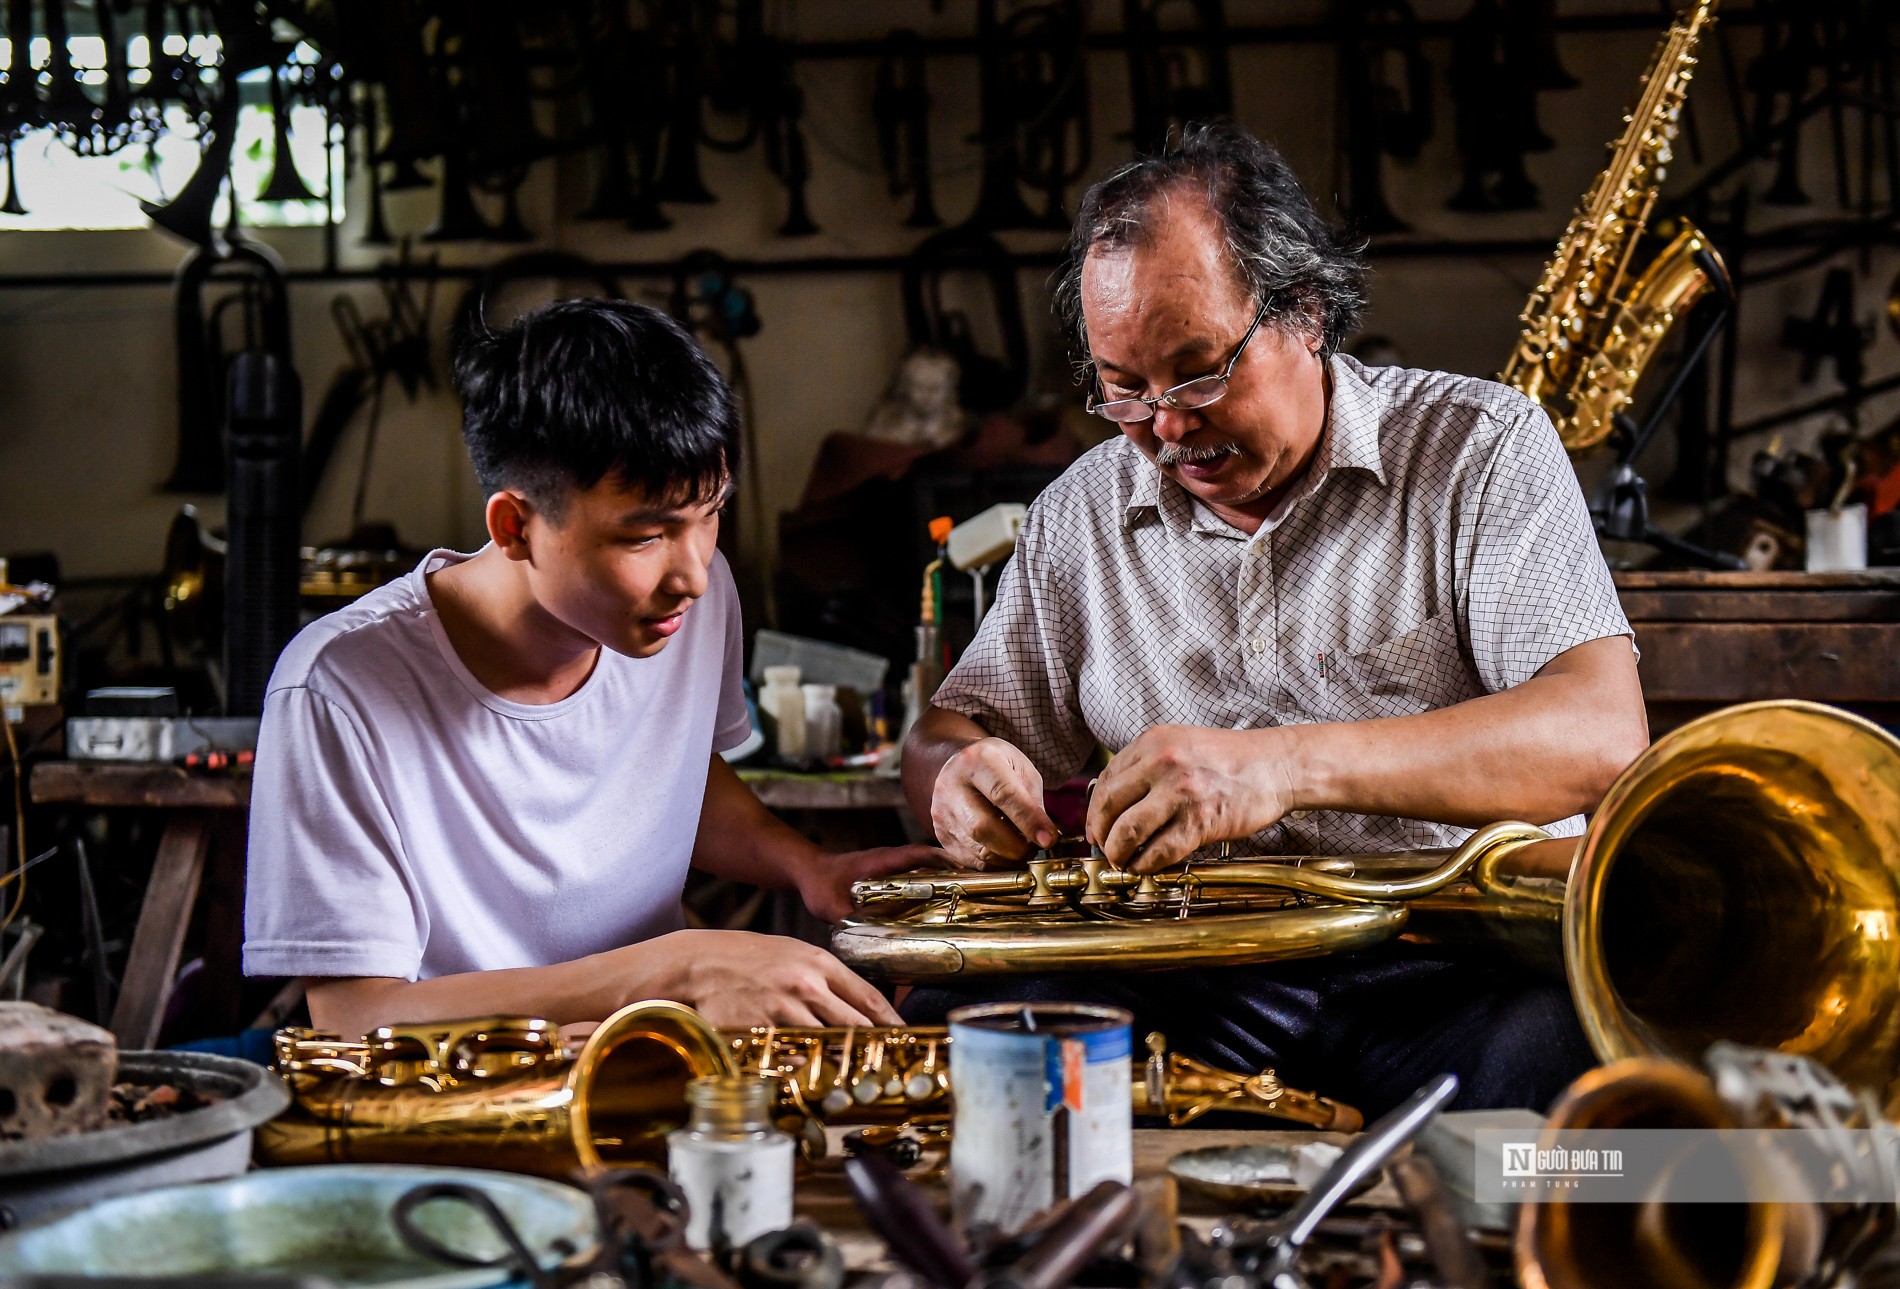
{"points": [[1337, 877], [1655, 1243]]}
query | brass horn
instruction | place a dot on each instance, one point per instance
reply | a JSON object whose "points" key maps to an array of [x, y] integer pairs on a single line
{"points": [[1654, 1243], [1741, 880]]}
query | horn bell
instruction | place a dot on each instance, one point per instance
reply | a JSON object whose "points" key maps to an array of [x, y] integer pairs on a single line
{"points": [[1741, 881]]}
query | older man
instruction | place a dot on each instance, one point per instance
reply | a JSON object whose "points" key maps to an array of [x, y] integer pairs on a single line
{"points": [[1308, 605]]}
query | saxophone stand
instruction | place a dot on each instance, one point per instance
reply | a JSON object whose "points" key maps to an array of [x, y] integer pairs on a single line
{"points": [[1620, 509]]}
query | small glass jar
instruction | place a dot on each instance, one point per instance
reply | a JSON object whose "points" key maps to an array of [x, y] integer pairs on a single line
{"points": [[784, 702], [824, 723], [733, 1165]]}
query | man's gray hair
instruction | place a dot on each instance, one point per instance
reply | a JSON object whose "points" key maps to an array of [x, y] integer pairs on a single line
{"points": [[1308, 276]]}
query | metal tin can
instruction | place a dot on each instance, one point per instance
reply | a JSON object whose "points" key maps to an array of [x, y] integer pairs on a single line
{"points": [[1042, 1106]]}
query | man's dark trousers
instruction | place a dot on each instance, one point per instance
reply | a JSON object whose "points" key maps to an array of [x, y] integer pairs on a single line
{"points": [[1366, 1028]]}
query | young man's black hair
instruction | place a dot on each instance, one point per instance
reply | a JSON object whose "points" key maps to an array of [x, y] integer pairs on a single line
{"points": [[585, 389]]}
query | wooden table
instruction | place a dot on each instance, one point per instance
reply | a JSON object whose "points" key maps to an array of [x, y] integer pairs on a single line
{"points": [[1711, 639], [841, 809], [201, 854], [201, 850]]}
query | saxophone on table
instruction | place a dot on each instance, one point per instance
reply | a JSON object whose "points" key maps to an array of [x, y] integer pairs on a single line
{"points": [[509, 1093], [1594, 321]]}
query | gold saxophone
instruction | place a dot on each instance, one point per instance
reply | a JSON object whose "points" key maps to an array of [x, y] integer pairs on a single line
{"points": [[505, 1092], [1740, 880], [1593, 324]]}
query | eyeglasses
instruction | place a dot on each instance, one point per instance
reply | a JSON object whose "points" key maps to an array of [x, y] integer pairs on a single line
{"points": [[1185, 397]]}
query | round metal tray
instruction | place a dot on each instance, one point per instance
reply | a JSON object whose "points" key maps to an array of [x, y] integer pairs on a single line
{"points": [[252, 1094]]}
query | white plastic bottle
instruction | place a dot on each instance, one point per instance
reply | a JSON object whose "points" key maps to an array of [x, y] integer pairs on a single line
{"points": [[784, 703], [733, 1165], [824, 723]]}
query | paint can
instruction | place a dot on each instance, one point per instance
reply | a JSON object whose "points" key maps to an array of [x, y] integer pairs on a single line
{"points": [[1042, 1107]]}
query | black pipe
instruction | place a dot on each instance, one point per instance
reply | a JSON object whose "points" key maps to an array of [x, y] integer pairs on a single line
{"points": [[264, 524]]}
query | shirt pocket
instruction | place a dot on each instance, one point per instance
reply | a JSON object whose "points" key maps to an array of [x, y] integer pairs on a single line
{"points": [[1419, 670]]}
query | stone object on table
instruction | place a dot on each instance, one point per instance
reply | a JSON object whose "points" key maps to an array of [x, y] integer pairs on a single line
{"points": [[56, 1073]]}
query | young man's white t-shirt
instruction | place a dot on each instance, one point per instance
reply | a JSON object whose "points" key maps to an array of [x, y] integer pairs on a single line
{"points": [[407, 822]]}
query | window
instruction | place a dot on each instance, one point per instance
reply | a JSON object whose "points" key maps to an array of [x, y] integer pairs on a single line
{"points": [[64, 190]]}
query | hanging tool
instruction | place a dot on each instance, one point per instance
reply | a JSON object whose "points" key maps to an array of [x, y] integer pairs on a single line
{"points": [[1177, 69], [901, 106]]}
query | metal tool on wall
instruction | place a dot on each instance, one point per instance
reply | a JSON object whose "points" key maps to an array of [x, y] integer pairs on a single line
{"points": [[785, 152], [1832, 334], [1780, 77], [204, 352], [1382, 118], [683, 29], [901, 105], [1494, 115], [394, 345], [263, 525], [1177, 66], [1032, 100], [1049, 69], [624, 86]]}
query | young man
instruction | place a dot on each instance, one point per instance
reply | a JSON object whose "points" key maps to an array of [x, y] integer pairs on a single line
{"points": [[479, 788]]}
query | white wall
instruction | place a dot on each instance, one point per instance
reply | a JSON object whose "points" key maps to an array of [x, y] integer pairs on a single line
{"points": [[86, 374]]}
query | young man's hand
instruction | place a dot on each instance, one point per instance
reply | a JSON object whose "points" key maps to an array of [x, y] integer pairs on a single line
{"points": [[825, 885], [737, 979]]}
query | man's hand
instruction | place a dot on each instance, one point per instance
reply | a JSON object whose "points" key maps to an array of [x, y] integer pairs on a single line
{"points": [[825, 885], [737, 979], [1177, 788], [986, 807]]}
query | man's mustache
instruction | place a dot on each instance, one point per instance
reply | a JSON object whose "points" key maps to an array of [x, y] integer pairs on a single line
{"points": [[1194, 454]]}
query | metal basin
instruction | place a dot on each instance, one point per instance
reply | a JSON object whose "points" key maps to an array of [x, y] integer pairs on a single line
{"points": [[39, 1179], [331, 1222]]}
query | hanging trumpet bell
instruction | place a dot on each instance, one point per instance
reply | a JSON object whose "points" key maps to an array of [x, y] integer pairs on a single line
{"points": [[284, 183], [1741, 880]]}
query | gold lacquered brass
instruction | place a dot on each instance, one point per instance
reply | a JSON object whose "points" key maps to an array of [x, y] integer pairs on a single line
{"points": [[1656, 1244], [902, 1075], [1083, 914], [1593, 323], [494, 1093], [1741, 880], [502, 1092]]}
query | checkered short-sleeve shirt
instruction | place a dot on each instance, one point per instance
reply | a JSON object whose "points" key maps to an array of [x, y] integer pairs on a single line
{"points": [[1440, 551]]}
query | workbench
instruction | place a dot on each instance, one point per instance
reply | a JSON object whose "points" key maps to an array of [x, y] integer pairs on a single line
{"points": [[200, 851], [1710, 639], [822, 1196], [200, 865]]}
